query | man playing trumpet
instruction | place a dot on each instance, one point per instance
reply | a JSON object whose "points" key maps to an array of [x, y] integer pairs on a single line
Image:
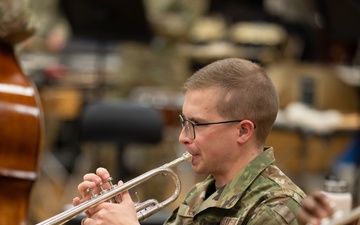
{"points": [[228, 112]]}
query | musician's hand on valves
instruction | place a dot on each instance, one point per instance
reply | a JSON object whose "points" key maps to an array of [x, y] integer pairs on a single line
{"points": [[114, 213], [106, 212], [90, 186], [315, 208]]}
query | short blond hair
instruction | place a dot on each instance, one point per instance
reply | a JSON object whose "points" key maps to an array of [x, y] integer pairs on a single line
{"points": [[246, 92]]}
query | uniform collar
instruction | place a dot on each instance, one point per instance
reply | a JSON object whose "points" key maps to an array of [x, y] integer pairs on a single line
{"points": [[227, 196]]}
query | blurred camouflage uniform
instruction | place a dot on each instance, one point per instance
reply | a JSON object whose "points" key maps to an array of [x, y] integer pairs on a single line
{"points": [[258, 194], [16, 21]]}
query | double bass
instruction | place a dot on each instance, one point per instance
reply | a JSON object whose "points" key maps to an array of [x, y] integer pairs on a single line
{"points": [[21, 130]]}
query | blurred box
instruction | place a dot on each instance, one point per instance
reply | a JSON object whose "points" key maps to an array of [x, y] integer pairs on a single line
{"points": [[61, 102], [316, 84], [296, 153]]}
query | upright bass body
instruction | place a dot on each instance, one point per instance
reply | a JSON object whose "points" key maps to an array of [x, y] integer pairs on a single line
{"points": [[20, 138]]}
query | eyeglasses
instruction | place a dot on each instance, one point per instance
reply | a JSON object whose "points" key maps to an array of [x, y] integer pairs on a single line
{"points": [[189, 125]]}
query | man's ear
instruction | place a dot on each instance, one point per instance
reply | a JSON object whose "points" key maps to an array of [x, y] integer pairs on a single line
{"points": [[245, 130]]}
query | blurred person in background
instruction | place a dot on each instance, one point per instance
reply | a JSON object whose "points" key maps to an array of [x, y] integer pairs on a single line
{"points": [[52, 28], [317, 208], [229, 109]]}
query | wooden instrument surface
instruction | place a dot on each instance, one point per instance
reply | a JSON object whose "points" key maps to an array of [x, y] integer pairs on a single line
{"points": [[21, 123]]}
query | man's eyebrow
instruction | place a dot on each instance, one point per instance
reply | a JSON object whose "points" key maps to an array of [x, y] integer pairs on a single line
{"points": [[192, 119], [197, 119]]}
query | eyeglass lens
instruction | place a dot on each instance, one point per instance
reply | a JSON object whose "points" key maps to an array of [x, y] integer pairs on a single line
{"points": [[189, 128]]}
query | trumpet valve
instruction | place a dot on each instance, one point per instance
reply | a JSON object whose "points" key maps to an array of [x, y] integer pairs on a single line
{"points": [[109, 180], [90, 190], [116, 199], [100, 185]]}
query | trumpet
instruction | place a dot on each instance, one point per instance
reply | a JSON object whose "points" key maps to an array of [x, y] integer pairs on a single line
{"points": [[143, 209]]}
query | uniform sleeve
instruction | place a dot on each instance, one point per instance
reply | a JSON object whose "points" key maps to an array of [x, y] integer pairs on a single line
{"points": [[274, 214]]}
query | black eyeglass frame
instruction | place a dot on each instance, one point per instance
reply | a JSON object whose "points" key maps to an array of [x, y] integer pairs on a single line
{"points": [[194, 124]]}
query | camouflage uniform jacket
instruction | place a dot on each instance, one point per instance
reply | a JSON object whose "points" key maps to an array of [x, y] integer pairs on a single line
{"points": [[259, 194]]}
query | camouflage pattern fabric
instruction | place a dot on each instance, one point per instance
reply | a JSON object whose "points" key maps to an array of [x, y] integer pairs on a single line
{"points": [[259, 194], [16, 21]]}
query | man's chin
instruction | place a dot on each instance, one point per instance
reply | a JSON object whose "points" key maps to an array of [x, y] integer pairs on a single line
{"points": [[197, 169]]}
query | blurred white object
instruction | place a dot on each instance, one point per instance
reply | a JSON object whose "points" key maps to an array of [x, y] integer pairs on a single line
{"points": [[337, 191], [349, 75], [302, 116], [258, 33]]}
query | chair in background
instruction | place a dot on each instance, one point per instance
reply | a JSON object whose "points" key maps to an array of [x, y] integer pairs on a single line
{"points": [[121, 123]]}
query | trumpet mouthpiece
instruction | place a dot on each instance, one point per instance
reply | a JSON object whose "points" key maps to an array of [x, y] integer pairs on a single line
{"points": [[187, 157]]}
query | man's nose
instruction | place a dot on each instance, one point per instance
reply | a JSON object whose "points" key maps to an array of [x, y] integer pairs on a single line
{"points": [[183, 139]]}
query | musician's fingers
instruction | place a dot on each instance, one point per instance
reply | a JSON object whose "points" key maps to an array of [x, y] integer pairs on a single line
{"points": [[88, 214], [76, 201], [125, 196], [306, 218], [313, 207], [102, 173], [326, 203], [93, 210], [83, 188], [92, 177], [87, 221]]}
